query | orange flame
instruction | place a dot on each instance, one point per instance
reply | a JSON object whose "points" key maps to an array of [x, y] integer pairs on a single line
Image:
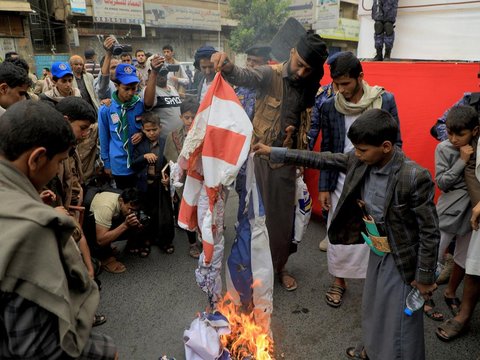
{"points": [[247, 339]]}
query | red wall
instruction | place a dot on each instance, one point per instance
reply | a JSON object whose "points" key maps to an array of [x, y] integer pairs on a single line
{"points": [[423, 91]]}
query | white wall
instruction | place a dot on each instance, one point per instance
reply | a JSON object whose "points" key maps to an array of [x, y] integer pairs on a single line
{"points": [[445, 32]]}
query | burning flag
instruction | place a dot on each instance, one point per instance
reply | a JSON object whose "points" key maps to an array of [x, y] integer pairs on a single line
{"points": [[214, 150], [249, 270]]}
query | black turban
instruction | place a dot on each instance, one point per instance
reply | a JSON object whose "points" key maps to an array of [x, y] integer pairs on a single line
{"points": [[313, 50], [205, 52], [259, 50]]}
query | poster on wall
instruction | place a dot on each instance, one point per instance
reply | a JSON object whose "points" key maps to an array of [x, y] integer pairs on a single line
{"points": [[181, 17], [302, 10], [78, 6], [6, 45], [327, 14], [118, 11]]}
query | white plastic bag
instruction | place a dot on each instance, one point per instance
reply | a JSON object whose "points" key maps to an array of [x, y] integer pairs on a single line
{"points": [[303, 210]]}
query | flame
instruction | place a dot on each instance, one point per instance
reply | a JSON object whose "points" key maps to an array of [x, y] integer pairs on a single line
{"points": [[247, 340]]}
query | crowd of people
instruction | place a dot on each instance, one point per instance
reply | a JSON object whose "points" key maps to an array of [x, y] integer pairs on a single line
{"points": [[84, 162]]}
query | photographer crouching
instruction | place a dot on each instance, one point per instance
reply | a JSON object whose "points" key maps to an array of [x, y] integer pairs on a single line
{"points": [[115, 217]]}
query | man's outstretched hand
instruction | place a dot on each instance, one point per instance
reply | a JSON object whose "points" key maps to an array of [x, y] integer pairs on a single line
{"points": [[261, 149]]}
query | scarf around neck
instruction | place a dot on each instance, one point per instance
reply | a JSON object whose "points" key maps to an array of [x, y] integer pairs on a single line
{"points": [[122, 125], [371, 99]]}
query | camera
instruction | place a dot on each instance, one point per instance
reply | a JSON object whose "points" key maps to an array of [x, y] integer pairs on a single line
{"points": [[166, 68], [118, 49], [143, 218]]}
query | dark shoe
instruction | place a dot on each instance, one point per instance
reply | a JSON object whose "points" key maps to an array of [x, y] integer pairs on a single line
{"points": [[450, 330], [99, 320], [334, 295], [357, 352], [432, 313], [387, 56], [453, 304], [379, 56]]}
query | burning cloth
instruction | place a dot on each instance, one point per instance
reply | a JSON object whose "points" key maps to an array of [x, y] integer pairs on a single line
{"points": [[214, 150], [249, 273]]}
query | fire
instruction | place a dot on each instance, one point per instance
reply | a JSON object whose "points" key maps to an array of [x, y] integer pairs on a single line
{"points": [[247, 340]]}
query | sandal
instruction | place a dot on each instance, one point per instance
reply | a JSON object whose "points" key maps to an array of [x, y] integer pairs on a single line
{"points": [[194, 251], [357, 352], [113, 266], [432, 313], [144, 251], [288, 281], [99, 320], [168, 249], [453, 304], [334, 295], [450, 330]]}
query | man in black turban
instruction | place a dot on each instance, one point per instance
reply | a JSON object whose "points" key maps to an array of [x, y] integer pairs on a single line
{"points": [[205, 70], [284, 92]]}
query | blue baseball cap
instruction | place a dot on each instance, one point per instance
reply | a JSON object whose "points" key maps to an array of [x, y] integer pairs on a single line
{"points": [[126, 74], [60, 69]]}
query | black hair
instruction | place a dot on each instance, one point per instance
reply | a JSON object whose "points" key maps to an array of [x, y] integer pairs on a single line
{"points": [[76, 108], [30, 124], [130, 196], [345, 64], [151, 118], [46, 68], [167, 47], [373, 127], [125, 54], [461, 117], [189, 104], [139, 50], [8, 55], [13, 75], [19, 62]]}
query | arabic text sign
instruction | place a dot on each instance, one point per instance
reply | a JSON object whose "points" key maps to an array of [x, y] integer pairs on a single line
{"points": [[181, 17], [327, 14], [302, 10], [118, 11]]}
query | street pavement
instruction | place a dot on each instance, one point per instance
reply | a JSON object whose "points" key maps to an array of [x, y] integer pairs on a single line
{"points": [[155, 300]]}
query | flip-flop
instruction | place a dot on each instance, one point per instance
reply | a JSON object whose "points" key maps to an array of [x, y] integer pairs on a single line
{"points": [[433, 314], [144, 251], [453, 304], [357, 352], [284, 275], [99, 320], [452, 329], [113, 266], [334, 289]]}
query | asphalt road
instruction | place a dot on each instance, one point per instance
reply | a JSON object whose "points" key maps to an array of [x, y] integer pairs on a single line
{"points": [[150, 305]]}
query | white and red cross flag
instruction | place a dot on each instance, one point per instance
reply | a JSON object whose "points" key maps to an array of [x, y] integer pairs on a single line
{"points": [[214, 150]]}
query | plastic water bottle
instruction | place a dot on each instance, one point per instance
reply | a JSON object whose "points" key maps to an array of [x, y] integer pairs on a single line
{"points": [[413, 302], [414, 299]]}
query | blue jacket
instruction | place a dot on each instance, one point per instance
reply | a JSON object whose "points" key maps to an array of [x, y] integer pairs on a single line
{"points": [[139, 163], [112, 152], [333, 135]]}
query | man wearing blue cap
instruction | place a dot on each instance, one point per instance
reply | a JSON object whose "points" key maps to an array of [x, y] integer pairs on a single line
{"points": [[120, 127], [62, 77]]}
